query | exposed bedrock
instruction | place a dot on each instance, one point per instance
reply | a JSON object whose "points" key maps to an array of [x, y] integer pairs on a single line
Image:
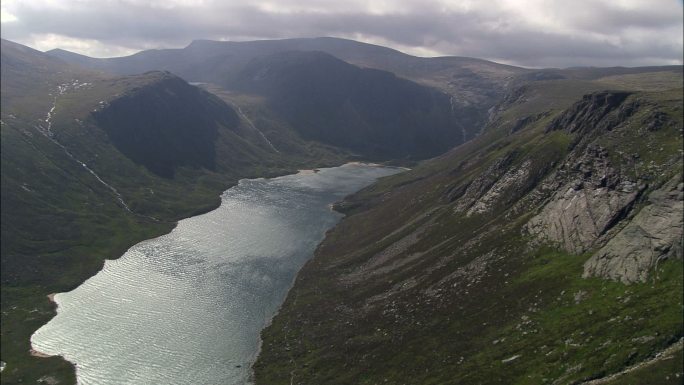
{"points": [[654, 234], [591, 200]]}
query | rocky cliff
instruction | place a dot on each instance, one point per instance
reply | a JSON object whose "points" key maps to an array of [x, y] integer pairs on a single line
{"points": [[596, 194], [652, 236]]}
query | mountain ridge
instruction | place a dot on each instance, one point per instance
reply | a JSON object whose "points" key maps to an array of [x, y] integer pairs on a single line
{"points": [[474, 84]]}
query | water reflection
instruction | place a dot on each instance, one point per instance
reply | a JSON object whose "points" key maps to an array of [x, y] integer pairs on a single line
{"points": [[187, 307]]}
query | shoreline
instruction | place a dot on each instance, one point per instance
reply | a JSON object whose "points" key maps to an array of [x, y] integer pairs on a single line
{"points": [[203, 210], [35, 352], [308, 171], [331, 206]]}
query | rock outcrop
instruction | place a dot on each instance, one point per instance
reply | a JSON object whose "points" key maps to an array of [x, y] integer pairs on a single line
{"points": [[592, 198], [654, 234], [588, 114], [513, 180]]}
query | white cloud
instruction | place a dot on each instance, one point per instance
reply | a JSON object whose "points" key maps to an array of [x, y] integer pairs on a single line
{"points": [[6, 16], [95, 48]]}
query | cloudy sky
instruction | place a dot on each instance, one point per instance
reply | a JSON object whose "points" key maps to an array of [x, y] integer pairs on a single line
{"points": [[535, 33]]}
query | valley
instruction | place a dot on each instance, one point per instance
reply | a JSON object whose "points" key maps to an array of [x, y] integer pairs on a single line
{"points": [[193, 302], [536, 239]]}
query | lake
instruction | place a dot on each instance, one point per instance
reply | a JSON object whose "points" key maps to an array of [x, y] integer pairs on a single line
{"points": [[188, 307]]}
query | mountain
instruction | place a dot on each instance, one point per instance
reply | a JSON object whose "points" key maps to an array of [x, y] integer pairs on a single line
{"points": [[195, 62], [474, 84], [547, 250], [181, 133], [331, 95], [368, 111]]}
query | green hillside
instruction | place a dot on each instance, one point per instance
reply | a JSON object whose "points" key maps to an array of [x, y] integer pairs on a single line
{"points": [[546, 251]]}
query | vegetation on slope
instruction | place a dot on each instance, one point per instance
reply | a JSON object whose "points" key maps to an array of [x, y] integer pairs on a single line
{"points": [[436, 278]]}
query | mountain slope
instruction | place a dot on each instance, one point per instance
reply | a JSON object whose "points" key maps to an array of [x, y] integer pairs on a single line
{"points": [[368, 111], [166, 140], [548, 250]]}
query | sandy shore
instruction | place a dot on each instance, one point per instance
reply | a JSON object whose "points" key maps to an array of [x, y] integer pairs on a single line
{"points": [[51, 297], [370, 164], [307, 172], [355, 163], [36, 353]]}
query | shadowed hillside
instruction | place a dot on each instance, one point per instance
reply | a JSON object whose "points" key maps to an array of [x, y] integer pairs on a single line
{"points": [[475, 85], [181, 132], [369, 111]]}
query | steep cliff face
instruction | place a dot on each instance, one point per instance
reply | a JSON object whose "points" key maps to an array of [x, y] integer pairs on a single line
{"points": [[591, 197], [589, 114], [597, 194], [652, 236], [504, 260]]}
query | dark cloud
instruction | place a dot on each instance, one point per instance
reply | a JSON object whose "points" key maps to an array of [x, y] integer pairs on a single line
{"points": [[527, 32]]}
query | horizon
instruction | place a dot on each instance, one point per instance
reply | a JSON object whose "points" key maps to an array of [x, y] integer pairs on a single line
{"points": [[526, 33], [332, 37]]}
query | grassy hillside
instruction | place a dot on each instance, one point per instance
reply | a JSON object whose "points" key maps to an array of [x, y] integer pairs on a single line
{"points": [[440, 275]]}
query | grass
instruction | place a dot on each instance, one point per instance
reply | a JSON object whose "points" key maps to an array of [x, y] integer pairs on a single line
{"points": [[488, 305], [667, 371], [652, 81], [579, 328]]}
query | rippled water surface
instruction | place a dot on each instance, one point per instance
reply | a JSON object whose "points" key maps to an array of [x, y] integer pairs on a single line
{"points": [[187, 307]]}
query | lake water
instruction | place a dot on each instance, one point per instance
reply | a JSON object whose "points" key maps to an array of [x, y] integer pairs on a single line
{"points": [[187, 307]]}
